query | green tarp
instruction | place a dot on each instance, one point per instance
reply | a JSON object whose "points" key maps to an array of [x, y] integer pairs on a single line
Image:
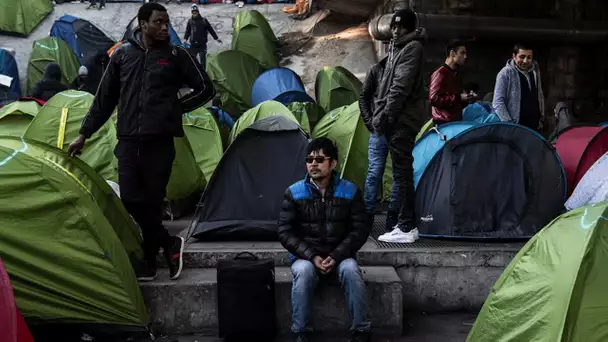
{"points": [[253, 35], [47, 50], [204, 136], [20, 17], [345, 128], [58, 124], [233, 74], [336, 87], [309, 110], [16, 116], [555, 287], [263, 110], [68, 261]]}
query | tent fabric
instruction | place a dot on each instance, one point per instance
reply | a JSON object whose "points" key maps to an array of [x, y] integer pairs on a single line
{"points": [[48, 50], [336, 87], [311, 110], [344, 126], [248, 176], [279, 84], [21, 17], [233, 74], [205, 139], [58, 124], [480, 113], [85, 39], [133, 24], [554, 289], [520, 189], [8, 67], [593, 187], [579, 147], [12, 325], [252, 35], [16, 116], [261, 111], [67, 262], [186, 177], [425, 129]]}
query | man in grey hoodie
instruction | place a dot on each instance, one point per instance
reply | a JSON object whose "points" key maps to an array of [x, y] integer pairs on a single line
{"points": [[399, 110], [518, 94]]}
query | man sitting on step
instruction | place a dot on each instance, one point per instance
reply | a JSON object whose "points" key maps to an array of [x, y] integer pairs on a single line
{"points": [[323, 224]]}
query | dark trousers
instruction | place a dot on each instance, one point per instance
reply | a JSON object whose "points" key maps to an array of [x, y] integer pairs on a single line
{"points": [[202, 55], [144, 167], [401, 145]]}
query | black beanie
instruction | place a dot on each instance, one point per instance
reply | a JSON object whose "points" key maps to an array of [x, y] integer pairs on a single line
{"points": [[405, 18]]}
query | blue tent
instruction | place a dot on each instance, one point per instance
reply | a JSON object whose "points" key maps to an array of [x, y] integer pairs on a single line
{"points": [[480, 113], [85, 39], [281, 85], [173, 36], [432, 142], [604, 123], [8, 67]]}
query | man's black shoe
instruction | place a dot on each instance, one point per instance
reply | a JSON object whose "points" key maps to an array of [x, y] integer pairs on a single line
{"points": [[174, 256], [300, 338], [392, 218], [145, 272], [361, 336]]}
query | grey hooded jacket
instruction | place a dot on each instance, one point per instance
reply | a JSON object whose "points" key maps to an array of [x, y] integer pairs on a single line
{"points": [[507, 92]]}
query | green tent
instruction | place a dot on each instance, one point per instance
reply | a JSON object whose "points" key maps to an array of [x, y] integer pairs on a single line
{"points": [[47, 50], [186, 178], [345, 128], [68, 261], [264, 109], [204, 136], [336, 87], [554, 289], [252, 35], [58, 124], [233, 74], [312, 111], [16, 116], [20, 17], [425, 129]]}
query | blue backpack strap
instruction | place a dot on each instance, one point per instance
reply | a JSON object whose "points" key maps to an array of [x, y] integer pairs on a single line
{"points": [[345, 189], [300, 191]]}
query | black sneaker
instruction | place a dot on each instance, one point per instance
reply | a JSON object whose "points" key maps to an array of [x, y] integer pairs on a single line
{"points": [[360, 336], [145, 272], [174, 256], [300, 338], [101, 7]]}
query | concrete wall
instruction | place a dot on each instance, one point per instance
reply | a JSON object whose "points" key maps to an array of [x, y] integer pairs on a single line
{"points": [[576, 74]]}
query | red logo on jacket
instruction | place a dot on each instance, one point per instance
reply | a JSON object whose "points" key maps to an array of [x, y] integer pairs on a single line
{"points": [[162, 62]]}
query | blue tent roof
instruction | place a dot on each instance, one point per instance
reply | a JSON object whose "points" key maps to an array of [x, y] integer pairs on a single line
{"points": [[85, 39], [8, 67], [432, 142], [480, 113], [604, 123], [63, 29], [279, 84]]}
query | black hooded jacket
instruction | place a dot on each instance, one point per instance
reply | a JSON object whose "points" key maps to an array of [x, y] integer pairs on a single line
{"points": [[50, 83], [198, 30], [144, 83]]}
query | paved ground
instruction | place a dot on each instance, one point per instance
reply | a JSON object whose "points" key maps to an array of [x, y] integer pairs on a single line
{"points": [[452, 327]]}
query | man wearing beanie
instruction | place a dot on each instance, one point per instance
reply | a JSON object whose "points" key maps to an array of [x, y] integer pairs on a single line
{"points": [[399, 112]]}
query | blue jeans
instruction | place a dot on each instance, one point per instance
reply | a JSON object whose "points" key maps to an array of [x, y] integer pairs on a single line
{"points": [[377, 154], [305, 280]]}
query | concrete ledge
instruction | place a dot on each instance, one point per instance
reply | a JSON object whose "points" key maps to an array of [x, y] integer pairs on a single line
{"points": [[189, 305]]}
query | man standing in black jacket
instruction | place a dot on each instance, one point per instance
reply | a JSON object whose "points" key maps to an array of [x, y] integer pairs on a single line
{"points": [[399, 109], [323, 224], [143, 78], [197, 30]]}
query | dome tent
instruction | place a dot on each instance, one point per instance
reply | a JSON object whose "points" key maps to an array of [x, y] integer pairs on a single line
{"points": [[263, 110], [48, 50], [520, 190], [85, 39], [21, 17], [16, 116], [252, 35], [336, 87], [279, 84], [205, 139]]}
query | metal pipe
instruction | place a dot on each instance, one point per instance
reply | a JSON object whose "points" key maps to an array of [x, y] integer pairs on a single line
{"points": [[498, 28]]}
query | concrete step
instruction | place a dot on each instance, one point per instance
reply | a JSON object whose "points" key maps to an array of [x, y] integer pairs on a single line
{"points": [[189, 304]]}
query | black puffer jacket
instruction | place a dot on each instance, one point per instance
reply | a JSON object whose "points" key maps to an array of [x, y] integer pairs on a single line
{"points": [[311, 225], [145, 84], [400, 99]]}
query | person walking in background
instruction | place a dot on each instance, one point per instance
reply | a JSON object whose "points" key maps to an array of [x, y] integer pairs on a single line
{"points": [[323, 224], [198, 30], [518, 94], [143, 79], [399, 110], [50, 83], [93, 4], [81, 81], [445, 90]]}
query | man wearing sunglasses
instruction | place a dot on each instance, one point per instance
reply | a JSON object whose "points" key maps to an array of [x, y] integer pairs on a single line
{"points": [[323, 223]]}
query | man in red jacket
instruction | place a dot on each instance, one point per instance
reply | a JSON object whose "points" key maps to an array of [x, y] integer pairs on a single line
{"points": [[445, 93]]}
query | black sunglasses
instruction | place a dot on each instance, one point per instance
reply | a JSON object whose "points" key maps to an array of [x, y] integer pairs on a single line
{"points": [[318, 159]]}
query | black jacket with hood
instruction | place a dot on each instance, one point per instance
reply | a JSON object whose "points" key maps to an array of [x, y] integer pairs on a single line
{"points": [[400, 98], [50, 83], [369, 92], [198, 30], [144, 83]]}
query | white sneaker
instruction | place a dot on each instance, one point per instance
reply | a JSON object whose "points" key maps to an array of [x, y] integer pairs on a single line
{"points": [[398, 236]]}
